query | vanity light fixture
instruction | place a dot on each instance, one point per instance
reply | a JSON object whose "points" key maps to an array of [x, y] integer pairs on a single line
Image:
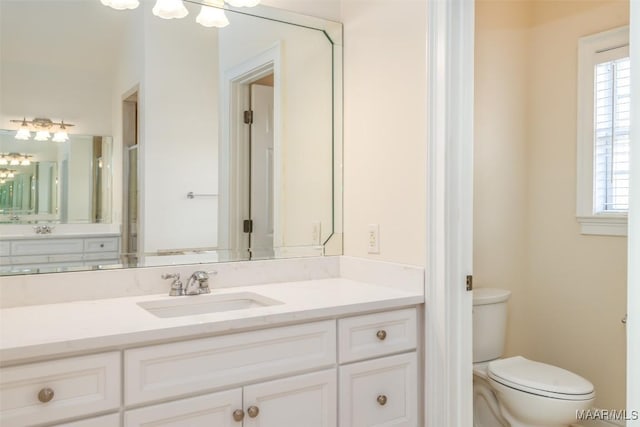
{"points": [[211, 14], [42, 128]]}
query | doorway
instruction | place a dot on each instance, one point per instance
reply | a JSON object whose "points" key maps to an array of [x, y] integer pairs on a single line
{"points": [[130, 196], [250, 158]]}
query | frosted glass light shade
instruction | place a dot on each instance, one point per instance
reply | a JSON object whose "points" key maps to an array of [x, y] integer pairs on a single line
{"points": [[42, 135], [170, 9], [121, 4], [243, 3], [212, 16], [23, 133], [14, 162], [60, 136], [3, 161], [25, 162]]}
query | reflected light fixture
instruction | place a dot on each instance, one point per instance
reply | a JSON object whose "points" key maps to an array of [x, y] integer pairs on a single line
{"points": [[212, 14], [15, 159], [121, 4], [170, 9], [42, 128], [7, 173], [23, 132]]}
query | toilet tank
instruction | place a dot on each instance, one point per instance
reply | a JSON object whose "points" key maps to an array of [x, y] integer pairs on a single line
{"points": [[489, 323]]}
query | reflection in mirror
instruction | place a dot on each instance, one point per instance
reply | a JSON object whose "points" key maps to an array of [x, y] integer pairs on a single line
{"points": [[222, 144]]}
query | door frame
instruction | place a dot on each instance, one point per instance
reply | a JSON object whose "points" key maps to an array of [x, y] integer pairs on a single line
{"points": [[448, 328], [233, 188], [633, 237]]}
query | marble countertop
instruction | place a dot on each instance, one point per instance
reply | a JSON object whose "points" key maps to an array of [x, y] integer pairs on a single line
{"points": [[39, 332]]}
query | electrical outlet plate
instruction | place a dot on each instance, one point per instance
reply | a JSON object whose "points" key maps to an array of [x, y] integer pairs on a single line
{"points": [[373, 239]]}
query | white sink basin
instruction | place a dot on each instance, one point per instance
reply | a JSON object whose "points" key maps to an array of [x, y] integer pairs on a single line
{"points": [[204, 304]]}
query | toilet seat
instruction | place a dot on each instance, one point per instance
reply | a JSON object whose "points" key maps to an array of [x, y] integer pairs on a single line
{"points": [[540, 379]]}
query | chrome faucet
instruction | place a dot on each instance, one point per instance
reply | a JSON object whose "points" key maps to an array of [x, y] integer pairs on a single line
{"points": [[198, 283]]}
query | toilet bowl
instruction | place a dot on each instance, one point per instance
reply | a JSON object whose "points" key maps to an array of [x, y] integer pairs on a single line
{"points": [[517, 392]]}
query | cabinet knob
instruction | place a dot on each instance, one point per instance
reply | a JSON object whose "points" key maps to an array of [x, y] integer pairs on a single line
{"points": [[253, 411], [102, 245], [238, 415], [381, 334], [382, 400], [45, 395]]}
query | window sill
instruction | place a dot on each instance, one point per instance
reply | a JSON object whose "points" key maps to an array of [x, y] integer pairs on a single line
{"points": [[603, 225]]}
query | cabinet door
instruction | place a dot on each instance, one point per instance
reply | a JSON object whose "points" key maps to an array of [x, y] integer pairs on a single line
{"points": [[380, 392], [210, 410], [305, 400]]}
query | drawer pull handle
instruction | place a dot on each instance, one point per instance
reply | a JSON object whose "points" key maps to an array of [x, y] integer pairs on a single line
{"points": [[253, 411], [45, 395], [381, 334], [102, 245], [238, 415], [382, 400]]}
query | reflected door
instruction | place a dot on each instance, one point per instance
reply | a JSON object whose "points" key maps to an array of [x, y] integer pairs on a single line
{"points": [[261, 205], [130, 193]]}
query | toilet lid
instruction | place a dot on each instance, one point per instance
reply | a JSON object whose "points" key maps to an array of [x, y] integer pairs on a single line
{"points": [[539, 378]]}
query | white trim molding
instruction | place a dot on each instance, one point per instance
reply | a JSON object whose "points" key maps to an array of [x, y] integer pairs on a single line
{"points": [[448, 327], [633, 254], [590, 48]]}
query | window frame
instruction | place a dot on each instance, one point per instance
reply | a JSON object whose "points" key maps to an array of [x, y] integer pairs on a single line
{"points": [[589, 48]]}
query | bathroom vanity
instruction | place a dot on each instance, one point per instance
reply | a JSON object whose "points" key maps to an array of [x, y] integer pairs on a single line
{"points": [[330, 351]]}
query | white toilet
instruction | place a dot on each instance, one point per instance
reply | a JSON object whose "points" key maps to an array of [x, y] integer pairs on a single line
{"points": [[515, 391]]}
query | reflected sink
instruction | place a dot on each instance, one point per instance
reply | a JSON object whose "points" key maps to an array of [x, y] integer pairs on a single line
{"points": [[205, 304]]}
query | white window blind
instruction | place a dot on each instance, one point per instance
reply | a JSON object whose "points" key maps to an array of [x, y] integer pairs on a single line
{"points": [[611, 136]]}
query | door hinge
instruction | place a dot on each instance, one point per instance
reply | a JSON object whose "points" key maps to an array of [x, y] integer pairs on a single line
{"points": [[469, 283], [247, 226], [248, 117]]}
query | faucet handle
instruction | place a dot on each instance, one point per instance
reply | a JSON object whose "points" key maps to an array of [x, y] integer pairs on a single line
{"points": [[203, 280], [176, 285]]}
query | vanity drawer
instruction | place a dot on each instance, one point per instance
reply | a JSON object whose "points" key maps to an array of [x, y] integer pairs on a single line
{"points": [[80, 385], [378, 334], [46, 246], [103, 256], [380, 392], [171, 370], [102, 244]]}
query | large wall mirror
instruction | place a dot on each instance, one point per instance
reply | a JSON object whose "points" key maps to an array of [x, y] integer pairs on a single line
{"points": [[130, 140]]}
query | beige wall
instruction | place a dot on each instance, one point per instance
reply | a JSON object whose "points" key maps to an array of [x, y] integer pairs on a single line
{"points": [[568, 289], [385, 129]]}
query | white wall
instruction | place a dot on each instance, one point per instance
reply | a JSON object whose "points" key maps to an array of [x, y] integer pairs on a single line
{"points": [[385, 128], [326, 9]]}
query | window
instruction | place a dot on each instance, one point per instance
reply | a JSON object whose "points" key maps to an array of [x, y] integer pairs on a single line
{"points": [[603, 132]]}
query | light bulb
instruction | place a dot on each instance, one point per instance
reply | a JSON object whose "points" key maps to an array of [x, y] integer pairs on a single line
{"points": [[42, 135], [121, 4], [212, 16], [169, 9]]}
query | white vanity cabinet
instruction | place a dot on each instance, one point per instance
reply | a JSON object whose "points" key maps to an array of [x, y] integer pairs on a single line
{"points": [[306, 400], [380, 391], [356, 371]]}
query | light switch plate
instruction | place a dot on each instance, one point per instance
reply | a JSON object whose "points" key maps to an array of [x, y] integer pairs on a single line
{"points": [[373, 236]]}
